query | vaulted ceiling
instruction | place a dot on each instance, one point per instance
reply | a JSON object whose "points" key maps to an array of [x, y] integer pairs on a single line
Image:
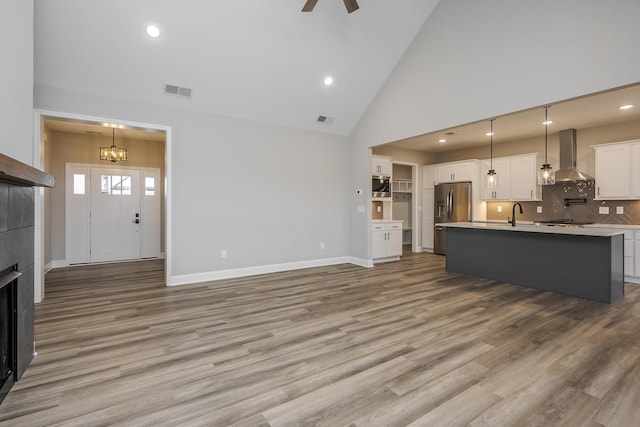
{"points": [[261, 60]]}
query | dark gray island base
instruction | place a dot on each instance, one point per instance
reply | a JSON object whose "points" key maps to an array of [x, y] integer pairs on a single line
{"points": [[588, 265]]}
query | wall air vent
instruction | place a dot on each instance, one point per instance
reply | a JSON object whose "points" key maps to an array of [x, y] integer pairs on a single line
{"points": [[175, 90]]}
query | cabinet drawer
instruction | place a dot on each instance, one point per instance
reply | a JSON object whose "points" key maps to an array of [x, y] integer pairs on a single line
{"points": [[394, 226], [378, 227]]}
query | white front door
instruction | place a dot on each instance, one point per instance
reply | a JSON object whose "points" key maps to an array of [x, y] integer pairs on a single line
{"points": [[115, 214], [112, 213]]}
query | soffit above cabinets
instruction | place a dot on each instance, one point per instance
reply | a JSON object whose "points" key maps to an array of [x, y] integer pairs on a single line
{"points": [[592, 110]]}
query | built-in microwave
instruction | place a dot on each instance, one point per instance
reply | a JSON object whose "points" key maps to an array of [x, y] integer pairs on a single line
{"points": [[380, 186]]}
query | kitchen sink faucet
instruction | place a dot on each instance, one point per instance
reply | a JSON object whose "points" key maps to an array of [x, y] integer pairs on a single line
{"points": [[513, 213]]}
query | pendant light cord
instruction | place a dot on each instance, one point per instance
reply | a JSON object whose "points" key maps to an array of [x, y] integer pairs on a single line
{"points": [[546, 127], [491, 147]]}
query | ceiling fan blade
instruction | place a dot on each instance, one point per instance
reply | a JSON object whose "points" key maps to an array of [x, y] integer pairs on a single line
{"points": [[351, 5], [309, 5]]}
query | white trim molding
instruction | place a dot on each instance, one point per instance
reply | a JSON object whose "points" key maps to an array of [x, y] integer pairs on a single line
{"points": [[210, 276]]}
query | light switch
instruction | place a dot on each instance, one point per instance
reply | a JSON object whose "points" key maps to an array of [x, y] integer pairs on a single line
{"points": [[604, 210], [619, 210], [539, 209]]}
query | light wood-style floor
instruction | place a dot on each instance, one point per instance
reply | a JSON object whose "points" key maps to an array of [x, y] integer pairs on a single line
{"points": [[404, 343]]}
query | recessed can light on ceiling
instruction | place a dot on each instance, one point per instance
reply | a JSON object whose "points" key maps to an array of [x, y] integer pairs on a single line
{"points": [[442, 140], [489, 133], [153, 31], [626, 107], [547, 122], [328, 81]]}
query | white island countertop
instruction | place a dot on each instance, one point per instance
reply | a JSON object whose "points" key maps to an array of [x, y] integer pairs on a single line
{"points": [[533, 228]]}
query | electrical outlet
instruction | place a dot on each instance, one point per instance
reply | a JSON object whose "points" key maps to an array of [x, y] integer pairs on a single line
{"points": [[379, 209], [499, 209], [619, 210], [223, 254], [604, 210], [539, 209]]}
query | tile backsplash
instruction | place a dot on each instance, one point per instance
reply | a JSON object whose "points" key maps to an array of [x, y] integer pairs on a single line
{"points": [[554, 206]]}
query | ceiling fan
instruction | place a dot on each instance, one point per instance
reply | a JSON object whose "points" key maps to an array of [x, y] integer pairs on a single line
{"points": [[351, 5]]}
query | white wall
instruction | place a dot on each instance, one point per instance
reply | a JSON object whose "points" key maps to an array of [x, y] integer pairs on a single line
{"points": [[473, 60], [265, 194], [16, 75]]}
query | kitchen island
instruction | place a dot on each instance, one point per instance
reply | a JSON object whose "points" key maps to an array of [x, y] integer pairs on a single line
{"points": [[576, 261]]}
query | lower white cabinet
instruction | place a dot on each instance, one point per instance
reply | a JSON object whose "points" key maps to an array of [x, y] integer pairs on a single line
{"points": [[386, 240]]}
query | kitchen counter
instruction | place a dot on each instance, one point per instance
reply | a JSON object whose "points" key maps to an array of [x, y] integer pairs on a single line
{"points": [[586, 262], [530, 227]]}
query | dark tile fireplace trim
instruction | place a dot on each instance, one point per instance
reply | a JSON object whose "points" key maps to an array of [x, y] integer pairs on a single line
{"points": [[17, 218]]}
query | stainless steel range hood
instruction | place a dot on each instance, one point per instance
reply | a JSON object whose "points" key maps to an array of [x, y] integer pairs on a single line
{"points": [[568, 154]]}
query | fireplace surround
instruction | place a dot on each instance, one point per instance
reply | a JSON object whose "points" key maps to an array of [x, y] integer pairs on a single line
{"points": [[17, 202]]}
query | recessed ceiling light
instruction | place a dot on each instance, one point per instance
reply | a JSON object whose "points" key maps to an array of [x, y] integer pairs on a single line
{"points": [[153, 31], [442, 140], [489, 133], [625, 107], [328, 81], [547, 122]]}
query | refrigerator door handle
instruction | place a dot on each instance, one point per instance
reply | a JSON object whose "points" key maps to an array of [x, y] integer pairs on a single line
{"points": [[450, 204]]}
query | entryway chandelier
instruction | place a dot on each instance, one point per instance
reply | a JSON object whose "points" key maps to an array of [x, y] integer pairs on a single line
{"points": [[113, 154]]}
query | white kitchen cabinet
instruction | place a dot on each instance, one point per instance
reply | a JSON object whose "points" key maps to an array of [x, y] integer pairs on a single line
{"points": [[517, 178], [617, 175], [636, 260], [455, 172], [502, 191], [381, 165], [428, 176], [386, 240], [631, 251], [427, 219]]}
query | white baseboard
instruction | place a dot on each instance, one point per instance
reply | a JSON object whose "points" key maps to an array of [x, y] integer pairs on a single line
{"points": [[634, 280], [361, 262], [185, 279], [59, 263]]}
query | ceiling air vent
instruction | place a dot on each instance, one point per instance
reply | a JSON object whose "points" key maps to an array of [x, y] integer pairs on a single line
{"points": [[175, 90], [325, 120]]}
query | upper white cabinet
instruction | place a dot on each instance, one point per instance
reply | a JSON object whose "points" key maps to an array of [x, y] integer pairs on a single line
{"points": [[428, 176], [456, 171], [616, 177], [381, 165], [502, 190], [517, 178]]}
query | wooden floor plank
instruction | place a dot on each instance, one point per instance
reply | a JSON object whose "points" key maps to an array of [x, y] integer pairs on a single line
{"points": [[404, 343]]}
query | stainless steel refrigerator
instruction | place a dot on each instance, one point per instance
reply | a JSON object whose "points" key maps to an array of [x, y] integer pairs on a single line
{"points": [[452, 204]]}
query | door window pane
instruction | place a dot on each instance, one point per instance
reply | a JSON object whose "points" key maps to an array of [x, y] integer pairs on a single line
{"points": [[78, 183], [117, 185], [149, 186]]}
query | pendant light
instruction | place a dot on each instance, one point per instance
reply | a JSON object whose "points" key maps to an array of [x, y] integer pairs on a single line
{"points": [[492, 177], [546, 175], [113, 154]]}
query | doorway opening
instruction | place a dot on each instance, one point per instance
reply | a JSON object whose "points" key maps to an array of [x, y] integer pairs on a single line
{"points": [[405, 202], [65, 138]]}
